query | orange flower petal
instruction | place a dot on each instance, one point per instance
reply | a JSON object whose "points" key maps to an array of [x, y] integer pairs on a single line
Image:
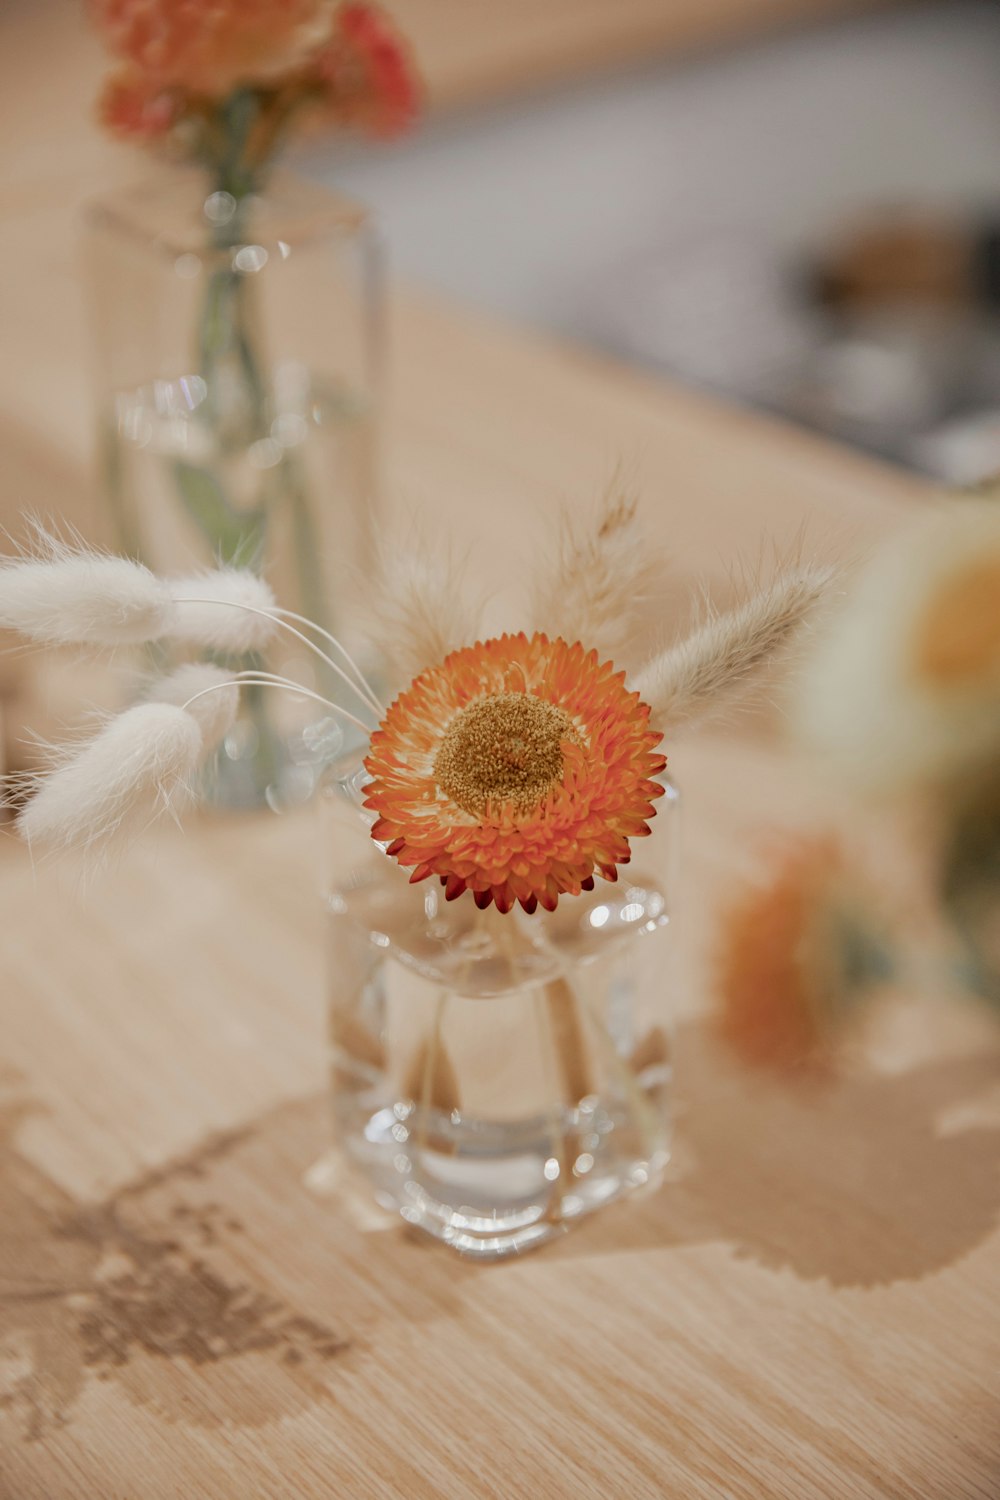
{"points": [[546, 837]]}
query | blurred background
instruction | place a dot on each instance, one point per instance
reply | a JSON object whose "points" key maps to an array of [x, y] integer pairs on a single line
{"points": [[791, 204], [794, 203], [804, 217]]}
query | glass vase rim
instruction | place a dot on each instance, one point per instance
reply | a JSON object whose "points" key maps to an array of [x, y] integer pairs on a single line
{"points": [[290, 212]]}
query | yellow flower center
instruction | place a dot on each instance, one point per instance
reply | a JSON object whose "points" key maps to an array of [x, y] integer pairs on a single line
{"points": [[506, 747], [959, 639]]}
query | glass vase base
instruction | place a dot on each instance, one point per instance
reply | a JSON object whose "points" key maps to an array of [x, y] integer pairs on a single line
{"points": [[492, 1190]]}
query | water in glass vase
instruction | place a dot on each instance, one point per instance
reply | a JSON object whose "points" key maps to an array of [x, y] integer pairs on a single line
{"points": [[497, 1077]]}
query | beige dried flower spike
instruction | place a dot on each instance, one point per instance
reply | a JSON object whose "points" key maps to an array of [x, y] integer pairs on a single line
{"points": [[599, 591], [601, 579], [715, 662], [420, 611]]}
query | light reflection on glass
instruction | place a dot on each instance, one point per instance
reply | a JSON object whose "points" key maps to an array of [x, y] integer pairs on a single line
{"points": [[220, 207], [250, 258], [599, 916], [194, 390], [289, 429], [135, 427], [264, 454]]}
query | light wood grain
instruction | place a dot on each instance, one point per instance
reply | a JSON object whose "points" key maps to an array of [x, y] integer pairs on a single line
{"points": [[808, 1311]]}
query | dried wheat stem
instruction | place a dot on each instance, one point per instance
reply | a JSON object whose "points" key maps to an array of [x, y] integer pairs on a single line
{"points": [[602, 573], [421, 613], [575, 1070], [432, 1083]]}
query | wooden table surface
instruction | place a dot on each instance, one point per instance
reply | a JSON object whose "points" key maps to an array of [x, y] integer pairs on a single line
{"points": [[471, 51], [474, 51], [189, 1308]]}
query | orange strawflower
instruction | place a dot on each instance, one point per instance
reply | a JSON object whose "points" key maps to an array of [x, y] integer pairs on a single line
{"points": [[130, 107], [368, 74], [294, 54], [209, 47], [517, 769], [777, 970]]}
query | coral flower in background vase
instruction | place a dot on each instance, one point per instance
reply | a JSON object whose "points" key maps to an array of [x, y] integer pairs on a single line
{"points": [[239, 314]]}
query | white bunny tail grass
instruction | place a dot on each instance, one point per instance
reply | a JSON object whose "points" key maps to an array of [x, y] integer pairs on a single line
{"points": [[138, 766], [421, 612], [717, 659], [72, 595], [227, 609], [209, 694], [602, 574]]}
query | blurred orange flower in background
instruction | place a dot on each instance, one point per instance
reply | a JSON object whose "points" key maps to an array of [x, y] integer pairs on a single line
{"points": [[794, 953], [188, 57], [367, 73], [211, 46], [132, 106]]}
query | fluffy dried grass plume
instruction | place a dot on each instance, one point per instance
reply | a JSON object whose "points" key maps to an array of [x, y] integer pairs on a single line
{"points": [[67, 593], [708, 669], [229, 609], [210, 695], [421, 611], [62, 593], [601, 577], [140, 765]]}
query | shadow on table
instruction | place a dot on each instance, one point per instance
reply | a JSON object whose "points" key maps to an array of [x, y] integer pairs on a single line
{"points": [[217, 1291], [863, 1181], [214, 1290]]}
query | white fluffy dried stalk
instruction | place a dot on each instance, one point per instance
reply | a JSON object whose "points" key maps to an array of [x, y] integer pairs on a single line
{"points": [[215, 693], [70, 595], [421, 612], [716, 661], [602, 574], [237, 616], [137, 767], [67, 593]]}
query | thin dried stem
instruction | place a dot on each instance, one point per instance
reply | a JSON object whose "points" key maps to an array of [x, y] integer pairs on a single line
{"points": [[576, 1074], [431, 1080], [372, 696], [370, 701], [272, 680]]}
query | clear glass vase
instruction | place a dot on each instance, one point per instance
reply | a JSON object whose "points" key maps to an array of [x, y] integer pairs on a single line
{"points": [[238, 346], [495, 1077]]}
